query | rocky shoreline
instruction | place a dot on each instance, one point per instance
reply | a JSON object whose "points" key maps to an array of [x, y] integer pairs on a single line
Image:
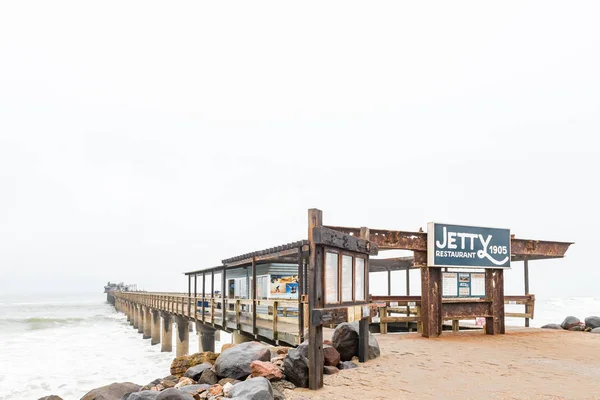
{"points": [[571, 323], [246, 371]]}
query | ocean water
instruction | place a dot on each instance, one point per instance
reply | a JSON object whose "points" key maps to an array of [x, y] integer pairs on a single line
{"points": [[68, 345]]}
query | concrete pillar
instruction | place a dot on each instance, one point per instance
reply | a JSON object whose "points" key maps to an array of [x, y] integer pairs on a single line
{"points": [[239, 338], [135, 315], [155, 331], [166, 341], [182, 340], [206, 337], [191, 326], [128, 312], [140, 316], [218, 335], [147, 323]]}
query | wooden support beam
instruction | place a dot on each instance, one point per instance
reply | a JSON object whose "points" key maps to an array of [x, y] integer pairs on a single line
{"points": [[203, 294], [224, 296], [386, 239], [526, 281], [316, 298], [494, 289], [254, 332], [330, 237], [363, 339], [301, 278], [431, 301]]}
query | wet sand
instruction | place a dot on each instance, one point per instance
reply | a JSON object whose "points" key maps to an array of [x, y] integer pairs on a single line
{"points": [[523, 364]]}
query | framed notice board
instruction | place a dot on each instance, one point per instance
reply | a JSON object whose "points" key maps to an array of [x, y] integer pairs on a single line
{"points": [[463, 284]]}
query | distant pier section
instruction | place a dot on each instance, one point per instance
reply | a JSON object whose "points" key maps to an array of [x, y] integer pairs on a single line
{"points": [[111, 288]]}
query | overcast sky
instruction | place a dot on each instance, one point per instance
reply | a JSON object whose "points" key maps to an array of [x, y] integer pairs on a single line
{"points": [[139, 140]]}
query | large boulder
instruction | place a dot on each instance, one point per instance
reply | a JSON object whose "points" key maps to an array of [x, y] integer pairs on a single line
{"points": [[143, 395], [114, 391], [266, 369], [235, 361], [570, 322], [345, 340], [595, 330], [182, 363], [552, 326], [331, 355], [295, 366], [174, 394], [592, 322], [252, 389], [197, 370]]}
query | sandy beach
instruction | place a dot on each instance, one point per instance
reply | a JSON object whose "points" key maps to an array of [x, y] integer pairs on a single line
{"points": [[523, 364]]}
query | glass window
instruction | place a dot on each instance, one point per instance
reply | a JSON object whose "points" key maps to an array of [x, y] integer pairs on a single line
{"points": [[331, 278], [346, 278], [359, 272]]}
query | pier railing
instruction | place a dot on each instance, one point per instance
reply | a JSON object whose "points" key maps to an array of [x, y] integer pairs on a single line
{"points": [[407, 309], [273, 319]]}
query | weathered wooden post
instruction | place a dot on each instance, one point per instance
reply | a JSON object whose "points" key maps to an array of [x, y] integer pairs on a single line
{"points": [[494, 290], [315, 300], [363, 325], [431, 301]]}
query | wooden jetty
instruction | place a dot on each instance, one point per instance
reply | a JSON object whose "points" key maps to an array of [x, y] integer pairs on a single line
{"points": [[326, 280]]}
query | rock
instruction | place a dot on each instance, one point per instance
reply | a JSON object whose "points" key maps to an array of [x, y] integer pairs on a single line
{"points": [[227, 388], [282, 349], [51, 397], [143, 395], [227, 346], [225, 381], [577, 328], [332, 356], [215, 390], [173, 394], [552, 326], [346, 365], [595, 330], [570, 322], [277, 395], [328, 370], [182, 363], [168, 383], [173, 378], [345, 340], [197, 370], [252, 389], [592, 322], [208, 377], [235, 361], [266, 369], [114, 391], [184, 381], [194, 389], [295, 366], [328, 342]]}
